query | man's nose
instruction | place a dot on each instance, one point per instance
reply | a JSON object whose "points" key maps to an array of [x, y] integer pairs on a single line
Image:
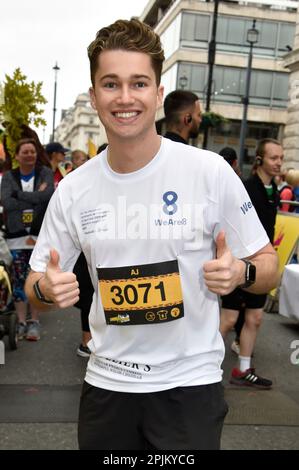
{"points": [[125, 95]]}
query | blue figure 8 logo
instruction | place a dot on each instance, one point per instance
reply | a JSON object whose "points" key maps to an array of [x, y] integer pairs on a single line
{"points": [[170, 198]]}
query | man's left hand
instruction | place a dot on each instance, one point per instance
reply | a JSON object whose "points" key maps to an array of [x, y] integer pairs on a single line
{"points": [[223, 274]]}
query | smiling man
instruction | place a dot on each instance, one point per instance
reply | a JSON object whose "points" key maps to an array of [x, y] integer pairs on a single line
{"points": [[153, 380]]}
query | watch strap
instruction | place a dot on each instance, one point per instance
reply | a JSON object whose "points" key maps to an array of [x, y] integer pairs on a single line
{"points": [[39, 294], [248, 282]]}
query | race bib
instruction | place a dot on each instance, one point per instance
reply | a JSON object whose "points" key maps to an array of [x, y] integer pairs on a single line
{"points": [[27, 217], [141, 295]]}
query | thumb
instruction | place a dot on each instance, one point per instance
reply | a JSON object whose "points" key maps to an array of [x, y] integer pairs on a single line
{"points": [[221, 246], [54, 260]]}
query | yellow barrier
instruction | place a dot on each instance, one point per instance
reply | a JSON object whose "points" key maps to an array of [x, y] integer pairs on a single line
{"points": [[286, 238]]}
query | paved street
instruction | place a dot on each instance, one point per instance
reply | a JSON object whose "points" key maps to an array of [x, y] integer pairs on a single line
{"points": [[40, 387]]}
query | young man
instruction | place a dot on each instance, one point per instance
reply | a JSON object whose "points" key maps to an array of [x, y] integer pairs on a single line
{"points": [[182, 116], [149, 215], [265, 198]]}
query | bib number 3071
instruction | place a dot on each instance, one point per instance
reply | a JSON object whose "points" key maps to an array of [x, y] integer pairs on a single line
{"points": [[138, 295]]}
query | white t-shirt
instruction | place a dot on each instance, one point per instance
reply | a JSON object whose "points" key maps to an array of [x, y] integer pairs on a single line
{"points": [[154, 323]]}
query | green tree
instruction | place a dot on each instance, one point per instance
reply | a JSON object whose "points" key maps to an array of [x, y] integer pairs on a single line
{"points": [[19, 106], [210, 119]]}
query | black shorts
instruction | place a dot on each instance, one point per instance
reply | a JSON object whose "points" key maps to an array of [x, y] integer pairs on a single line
{"points": [[239, 299], [175, 419]]}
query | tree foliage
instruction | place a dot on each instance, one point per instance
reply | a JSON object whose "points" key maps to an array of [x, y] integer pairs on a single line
{"points": [[19, 106], [210, 119]]}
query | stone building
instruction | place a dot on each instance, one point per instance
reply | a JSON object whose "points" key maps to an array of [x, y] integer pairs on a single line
{"points": [[185, 28], [80, 127]]}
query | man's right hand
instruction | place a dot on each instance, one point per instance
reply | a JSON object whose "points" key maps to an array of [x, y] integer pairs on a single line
{"points": [[60, 287]]}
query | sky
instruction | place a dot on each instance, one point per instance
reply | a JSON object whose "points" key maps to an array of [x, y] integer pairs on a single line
{"points": [[35, 34]]}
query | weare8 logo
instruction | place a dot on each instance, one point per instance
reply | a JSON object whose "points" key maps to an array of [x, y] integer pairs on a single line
{"points": [[170, 198]]}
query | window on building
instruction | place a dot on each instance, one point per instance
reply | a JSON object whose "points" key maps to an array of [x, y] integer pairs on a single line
{"points": [[196, 76], [267, 88], [231, 81], [286, 36], [195, 27], [231, 35], [202, 27], [236, 31], [268, 33], [280, 87], [261, 85]]}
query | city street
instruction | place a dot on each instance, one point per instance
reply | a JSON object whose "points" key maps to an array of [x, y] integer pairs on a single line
{"points": [[40, 388]]}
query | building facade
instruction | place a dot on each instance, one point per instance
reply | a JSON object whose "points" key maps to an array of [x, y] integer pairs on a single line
{"points": [[80, 127], [185, 27], [291, 132]]}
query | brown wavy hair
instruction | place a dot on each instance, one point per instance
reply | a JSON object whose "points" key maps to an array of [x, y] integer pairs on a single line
{"points": [[127, 35]]}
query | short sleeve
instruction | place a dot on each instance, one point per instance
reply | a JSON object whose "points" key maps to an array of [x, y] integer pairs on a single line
{"points": [[56, 232], [245, 234]]}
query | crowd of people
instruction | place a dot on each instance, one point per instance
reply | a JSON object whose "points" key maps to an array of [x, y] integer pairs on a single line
{"points": [[152, 329], [25, 193]]}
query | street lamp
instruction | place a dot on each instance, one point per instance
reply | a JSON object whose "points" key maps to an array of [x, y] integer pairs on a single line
{"points": [[183, 81], [252, 38], [211, 62], [55, 68]]}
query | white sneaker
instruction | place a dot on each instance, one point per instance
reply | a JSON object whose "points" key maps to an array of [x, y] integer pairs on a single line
{"points": [[235, 347], [33, 331]]}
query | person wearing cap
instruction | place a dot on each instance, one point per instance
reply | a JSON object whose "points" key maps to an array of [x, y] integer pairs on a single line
{"points": [[56, 153]]}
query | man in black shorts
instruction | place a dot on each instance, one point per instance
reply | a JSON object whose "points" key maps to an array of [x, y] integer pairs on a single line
{"points": [[264, 196]]}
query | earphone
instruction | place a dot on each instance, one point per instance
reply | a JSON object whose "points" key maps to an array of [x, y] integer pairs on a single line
{"points": [[259, 161]]}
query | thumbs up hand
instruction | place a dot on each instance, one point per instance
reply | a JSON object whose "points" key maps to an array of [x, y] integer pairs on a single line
{"points": [[223, 274], [60, 287], [53, 263]]}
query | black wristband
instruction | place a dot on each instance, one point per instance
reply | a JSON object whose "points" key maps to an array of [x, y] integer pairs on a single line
{"points": [[39, 294]]}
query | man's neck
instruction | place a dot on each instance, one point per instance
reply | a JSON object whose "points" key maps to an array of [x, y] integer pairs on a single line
{"points": [[183, 133], [266, 179], [129, 156]]}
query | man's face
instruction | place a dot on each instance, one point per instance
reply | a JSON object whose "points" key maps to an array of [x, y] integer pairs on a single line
{"points": [[273, 158], [196, 120], [125, 94]]}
